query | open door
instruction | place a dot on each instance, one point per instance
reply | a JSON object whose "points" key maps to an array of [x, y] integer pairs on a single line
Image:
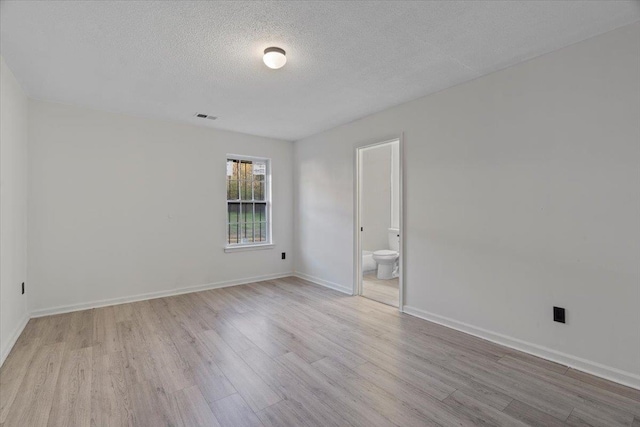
{"points": [[378, 245]]}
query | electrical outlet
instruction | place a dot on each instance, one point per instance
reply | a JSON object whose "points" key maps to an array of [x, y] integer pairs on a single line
{"points": [[284, 255], [559, 315]]}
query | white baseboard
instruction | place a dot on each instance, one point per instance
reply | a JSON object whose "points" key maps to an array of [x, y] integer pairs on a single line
{"points": [[152, 295], [593, 368], [325, 283], [6, 347]]}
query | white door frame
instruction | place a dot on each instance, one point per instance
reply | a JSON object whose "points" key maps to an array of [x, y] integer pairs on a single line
{"points": [[357, 279]]}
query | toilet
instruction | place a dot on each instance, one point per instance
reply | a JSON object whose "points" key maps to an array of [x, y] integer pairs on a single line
{"points": [[368, 264], [387, 259]]}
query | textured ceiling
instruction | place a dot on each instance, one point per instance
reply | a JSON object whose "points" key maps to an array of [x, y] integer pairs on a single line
{"points": [[170, 59]]}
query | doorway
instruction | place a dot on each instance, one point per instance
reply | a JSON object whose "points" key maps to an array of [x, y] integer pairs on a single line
{"points": [[379, 228]]}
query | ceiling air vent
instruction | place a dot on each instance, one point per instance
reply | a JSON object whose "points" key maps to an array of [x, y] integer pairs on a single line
{"points": [[205, 116]]}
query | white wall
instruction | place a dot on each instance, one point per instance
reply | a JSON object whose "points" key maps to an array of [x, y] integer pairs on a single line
{"points": [[13, 209], [522, 192], [123, 206], [376, 197], [395, 185]]}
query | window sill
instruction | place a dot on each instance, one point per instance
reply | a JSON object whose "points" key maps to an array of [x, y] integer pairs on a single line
{"points": [[243, 248]]}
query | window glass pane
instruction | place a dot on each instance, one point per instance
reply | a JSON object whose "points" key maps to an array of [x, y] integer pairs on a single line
{"points": [[243, 193], [247, 212], [232, 189], [232, 180], [245, 170], [246, 232], [258, 190], [247, 201], [232, 233], [233, 212], [232, 169], [259, 171], [260, 231], [245, 190], [261, 212]]}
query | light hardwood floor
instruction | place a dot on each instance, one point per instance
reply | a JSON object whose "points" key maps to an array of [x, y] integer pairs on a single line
{"points": [[285, 353], [384, 291]]}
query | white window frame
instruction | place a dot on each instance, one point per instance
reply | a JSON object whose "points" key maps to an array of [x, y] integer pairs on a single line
{"points": [[236, 247]]}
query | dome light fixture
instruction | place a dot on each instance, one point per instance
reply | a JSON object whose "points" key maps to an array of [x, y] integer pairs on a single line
{"points": [[274, 57]]}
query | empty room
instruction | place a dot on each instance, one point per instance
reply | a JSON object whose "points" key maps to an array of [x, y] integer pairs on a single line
{"points": [[319, 213]]}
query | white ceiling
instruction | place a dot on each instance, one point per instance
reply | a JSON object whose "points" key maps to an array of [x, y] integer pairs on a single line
{"points": [[170, 59]]}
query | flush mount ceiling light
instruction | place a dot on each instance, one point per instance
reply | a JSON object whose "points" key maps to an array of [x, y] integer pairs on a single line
{"points": [[274, 57]]}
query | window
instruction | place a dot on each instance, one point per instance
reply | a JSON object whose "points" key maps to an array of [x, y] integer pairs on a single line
{"points": [[248, 201]]}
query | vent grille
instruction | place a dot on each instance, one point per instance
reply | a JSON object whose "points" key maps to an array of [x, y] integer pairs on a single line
{"points": [[205, 116]]}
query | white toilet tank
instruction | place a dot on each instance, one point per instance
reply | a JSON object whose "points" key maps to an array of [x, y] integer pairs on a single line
{"points": [[394, 239]]}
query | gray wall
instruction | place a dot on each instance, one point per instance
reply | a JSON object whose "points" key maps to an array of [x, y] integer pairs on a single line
{"points": [[521, 194], [376, 197], [122, 206], [13, 208]]}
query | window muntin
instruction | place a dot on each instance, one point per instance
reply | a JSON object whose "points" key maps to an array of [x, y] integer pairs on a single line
{"points": [[248, 201]]}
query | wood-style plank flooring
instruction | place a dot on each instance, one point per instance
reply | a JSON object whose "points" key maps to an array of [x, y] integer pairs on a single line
{"points": [[285, 353], [384, 291]]}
